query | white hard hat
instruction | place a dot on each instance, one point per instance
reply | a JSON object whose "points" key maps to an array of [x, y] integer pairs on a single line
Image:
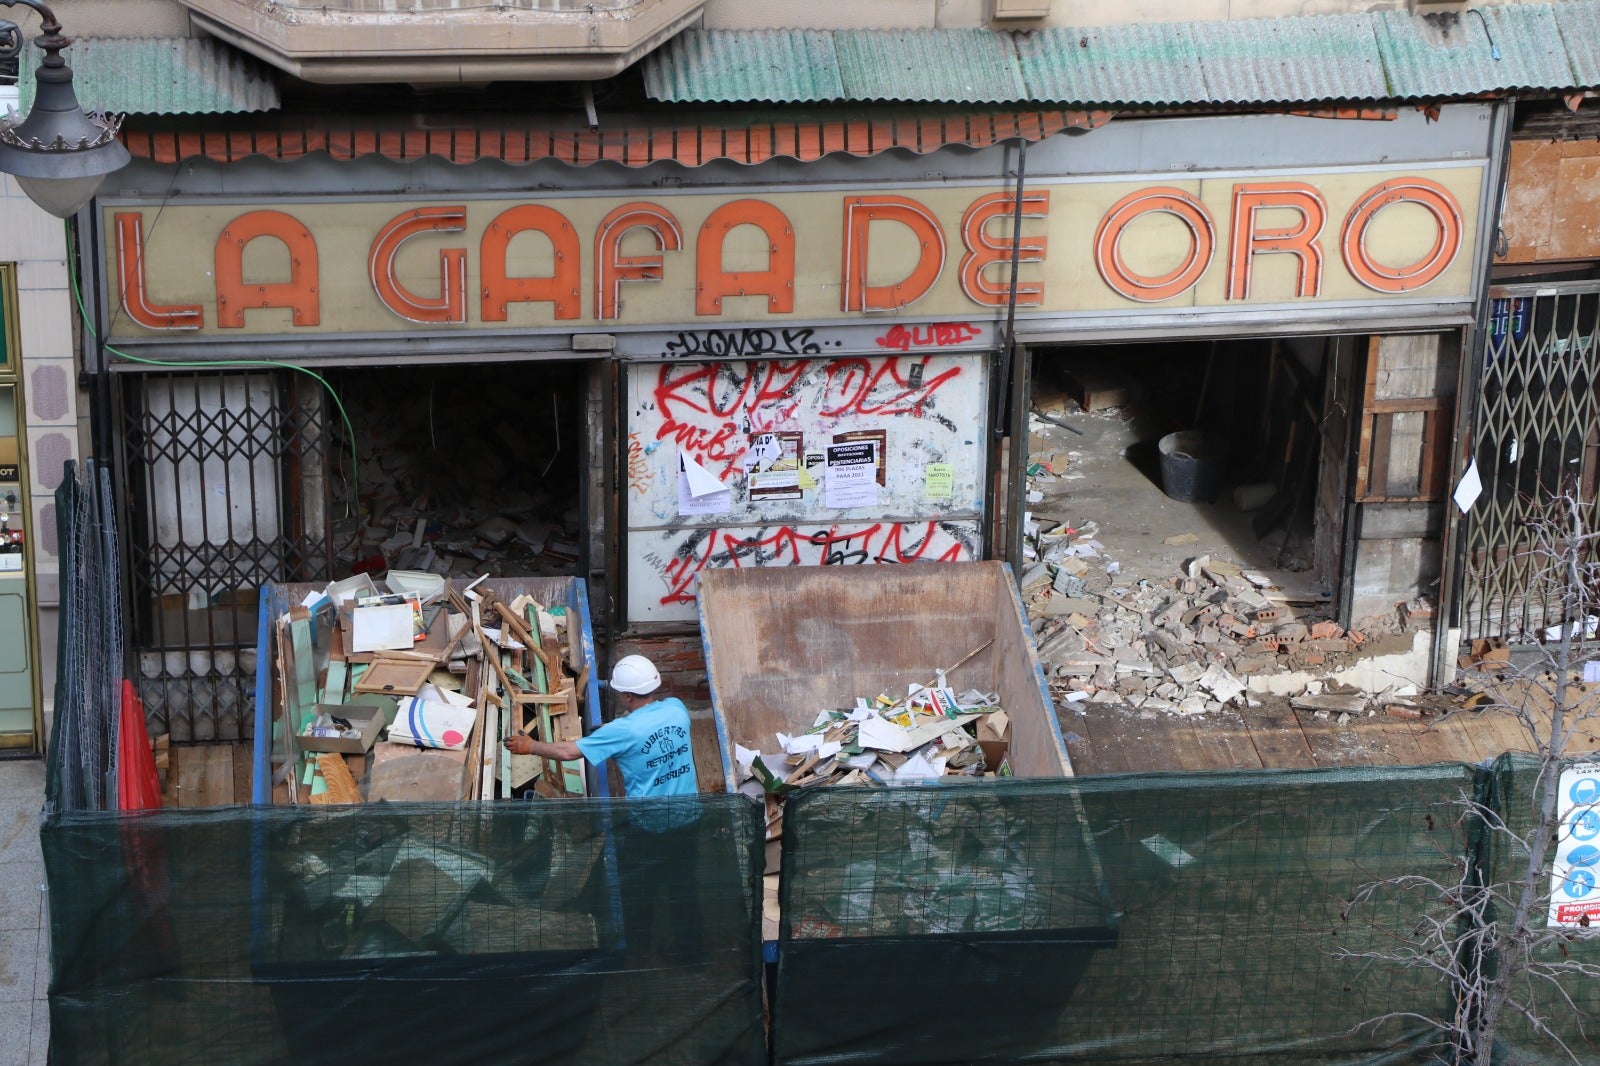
{"points": [[636, 675]]}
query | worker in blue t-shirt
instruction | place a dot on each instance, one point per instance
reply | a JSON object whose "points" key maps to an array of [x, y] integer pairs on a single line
{"points": [[659, 843], [650, 743]]}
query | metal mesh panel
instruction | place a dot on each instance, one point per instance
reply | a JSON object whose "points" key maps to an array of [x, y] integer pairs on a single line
{"points": [[1537, 425], [225, 478]]}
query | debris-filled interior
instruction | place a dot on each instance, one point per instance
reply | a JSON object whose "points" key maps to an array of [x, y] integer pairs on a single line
{"points": [[405, 692], [1174, 546], [460, 469]]}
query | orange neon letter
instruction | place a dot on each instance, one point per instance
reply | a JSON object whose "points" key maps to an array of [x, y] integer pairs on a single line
{"points": [[776, 283], [1108, 239], [560, 289], [451, 306], [130, 282], [984, 251], [1299, 240], [235, 295], [860, 212], [1432, 197], [612, 268]]}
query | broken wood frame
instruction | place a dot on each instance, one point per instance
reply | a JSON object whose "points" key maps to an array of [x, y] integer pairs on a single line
{"points": [[1380, 416]]}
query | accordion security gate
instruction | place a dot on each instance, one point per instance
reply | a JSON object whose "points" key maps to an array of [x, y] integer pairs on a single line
{"points": [[1537, 430], [1127, 918], [225, 483]]}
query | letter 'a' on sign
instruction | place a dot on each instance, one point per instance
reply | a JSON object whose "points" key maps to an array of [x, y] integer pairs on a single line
{"points": [[1130, 283], [234, 294], [561, 288], [451, 305], [130, 282], [860, 212], [1298, 239], [984, 250], [611, 268], [1433, 198], [712, 283]]}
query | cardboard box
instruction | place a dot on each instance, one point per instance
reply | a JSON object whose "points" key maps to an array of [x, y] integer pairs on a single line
{"points": [[369, 719]]}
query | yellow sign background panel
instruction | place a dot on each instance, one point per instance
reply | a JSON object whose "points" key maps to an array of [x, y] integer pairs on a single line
{"points": [[179, 250]]}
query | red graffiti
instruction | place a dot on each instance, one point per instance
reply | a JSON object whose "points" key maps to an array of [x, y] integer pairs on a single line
{"points": [[857, 387], [710, 409], [880, 542], [938, 335]]}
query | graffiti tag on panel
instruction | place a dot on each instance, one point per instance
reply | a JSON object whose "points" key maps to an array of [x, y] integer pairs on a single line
{"points": [[666, 563]]}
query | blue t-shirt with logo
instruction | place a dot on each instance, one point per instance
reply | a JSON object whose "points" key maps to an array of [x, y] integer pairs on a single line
{"points": [[651, 747]]}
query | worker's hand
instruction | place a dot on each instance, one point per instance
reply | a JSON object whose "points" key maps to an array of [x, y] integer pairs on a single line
{"points": [[520, 744]]}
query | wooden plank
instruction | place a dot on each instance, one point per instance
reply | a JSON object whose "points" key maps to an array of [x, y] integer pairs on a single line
{"points": [[243, 772], [1108, 737], [1322, 739], [1276, 734], [172, 791], [1436, 744], [216, 784], [342, 787], [1224, 742]]}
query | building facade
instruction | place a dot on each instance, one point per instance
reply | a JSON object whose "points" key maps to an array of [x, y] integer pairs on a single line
{"points": [[637, 289]]}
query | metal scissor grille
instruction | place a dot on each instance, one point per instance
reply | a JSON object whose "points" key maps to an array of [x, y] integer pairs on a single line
{"points": [[225, 478], [1537, 428]]}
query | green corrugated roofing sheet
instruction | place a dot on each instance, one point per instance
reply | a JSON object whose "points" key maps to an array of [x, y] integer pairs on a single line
{"points": [[160, 76], [972, 66], [1384, 55]]}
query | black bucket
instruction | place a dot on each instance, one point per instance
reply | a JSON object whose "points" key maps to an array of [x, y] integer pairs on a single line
{"points": [[1192, 465]]}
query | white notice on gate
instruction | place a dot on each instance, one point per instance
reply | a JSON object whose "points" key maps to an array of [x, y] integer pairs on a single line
{"points": [[699, 491], [851, 476], [1574, 894]]}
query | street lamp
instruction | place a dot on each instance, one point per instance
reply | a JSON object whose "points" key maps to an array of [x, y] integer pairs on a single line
{"points": [[59, 153]]}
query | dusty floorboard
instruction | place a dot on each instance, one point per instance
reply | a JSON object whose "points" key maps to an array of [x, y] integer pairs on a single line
{"points": [[208, 775], [1108, 739]]}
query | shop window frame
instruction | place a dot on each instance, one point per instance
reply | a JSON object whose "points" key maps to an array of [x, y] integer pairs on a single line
{"points": [[1377, 435]]}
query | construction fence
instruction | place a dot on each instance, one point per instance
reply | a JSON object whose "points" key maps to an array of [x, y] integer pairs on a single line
{"points": [[1206, 917]]}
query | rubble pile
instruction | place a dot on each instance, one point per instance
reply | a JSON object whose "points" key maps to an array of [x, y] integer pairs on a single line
{"points": [[930, 733], [1183, 646], [456, 487]]}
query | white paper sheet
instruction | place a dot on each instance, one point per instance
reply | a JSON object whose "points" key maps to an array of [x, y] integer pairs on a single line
{"points": [[381, 628], [699, 492], [851, 478], [1469, 488]]}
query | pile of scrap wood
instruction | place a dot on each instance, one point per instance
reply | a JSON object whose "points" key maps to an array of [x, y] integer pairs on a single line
{"points": [[406, 695]]}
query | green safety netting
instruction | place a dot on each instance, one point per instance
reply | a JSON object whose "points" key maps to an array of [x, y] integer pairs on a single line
{"points": [[1571, 1008], [1114, 918], [561, 932], [1201, 917]]}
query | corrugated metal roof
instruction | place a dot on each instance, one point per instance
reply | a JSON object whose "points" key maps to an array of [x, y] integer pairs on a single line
{"points": [[160, 76], [972, 66], [1140, 63], [738, 66], [1580, 34], [1450, 54], [1289, 60], [1385, 55]]}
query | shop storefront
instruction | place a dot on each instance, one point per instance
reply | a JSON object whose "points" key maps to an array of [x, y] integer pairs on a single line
{"points": [[789, 364]]}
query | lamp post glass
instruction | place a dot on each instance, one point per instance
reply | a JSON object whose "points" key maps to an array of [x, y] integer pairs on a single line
{"points": [[59, 153]]}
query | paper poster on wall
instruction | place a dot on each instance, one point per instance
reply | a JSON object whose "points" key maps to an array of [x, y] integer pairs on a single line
{"points": [[699, 493], [878, 436], [772, 466], [851, 478], [939, 481]]}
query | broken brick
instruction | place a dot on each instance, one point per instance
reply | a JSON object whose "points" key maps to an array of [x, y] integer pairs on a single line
{"points": [[1326, 631]]}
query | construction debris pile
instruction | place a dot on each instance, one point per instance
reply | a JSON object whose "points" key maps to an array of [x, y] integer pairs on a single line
{"points": [[1184, 646], [457, 487], [406, 694], [930, 733]]}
